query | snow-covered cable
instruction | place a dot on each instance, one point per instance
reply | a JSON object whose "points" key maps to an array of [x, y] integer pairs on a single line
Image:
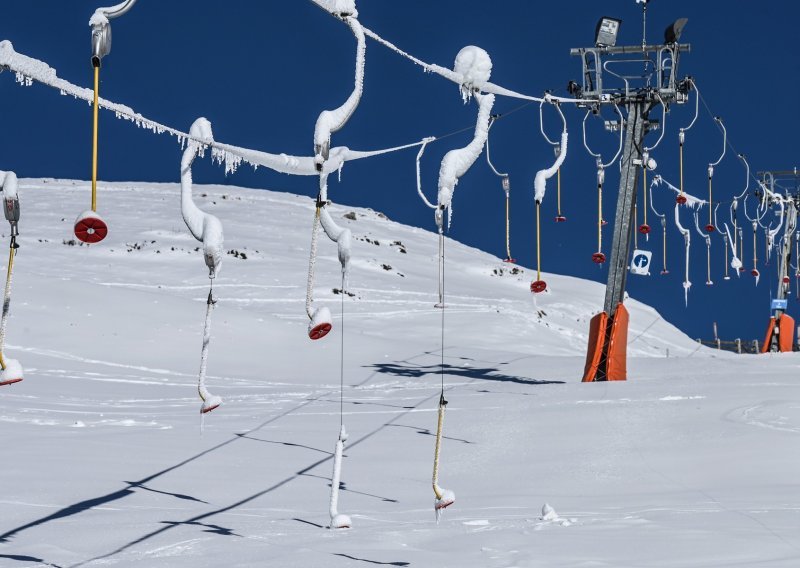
{"points": [[691, 201], [28, 69], [330, 121]]}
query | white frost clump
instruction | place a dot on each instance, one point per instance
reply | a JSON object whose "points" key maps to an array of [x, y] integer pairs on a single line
{"points": [[341, 8], [474, 66], [456, 162], [98, 19], [12, 372], [8, 181], [203, 226]]}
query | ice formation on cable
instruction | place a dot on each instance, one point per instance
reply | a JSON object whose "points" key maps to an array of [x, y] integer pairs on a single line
{"points": [[338, 520], [203, 226], [330, 121], [28, 69]]}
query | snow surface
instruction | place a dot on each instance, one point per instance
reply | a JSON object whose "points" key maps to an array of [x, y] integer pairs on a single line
{"points": [[690, 463]]}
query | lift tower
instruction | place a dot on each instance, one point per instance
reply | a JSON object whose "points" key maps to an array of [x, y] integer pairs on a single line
{"points": [[636, 79], [780, 332]]}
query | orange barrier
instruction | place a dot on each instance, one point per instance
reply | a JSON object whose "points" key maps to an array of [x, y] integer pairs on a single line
{"points": [[616, 361], [785, 334], [786, 330], [597, 334], [768, 339]]}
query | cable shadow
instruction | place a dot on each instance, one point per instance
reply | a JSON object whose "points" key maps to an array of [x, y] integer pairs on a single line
{"points": [[215, 529], [289, 444], [176, 495], [308, 523], [427, 432], [21, 558], [87, 504], [254, 496], [479, 373], [372, 561], [343, 487]]}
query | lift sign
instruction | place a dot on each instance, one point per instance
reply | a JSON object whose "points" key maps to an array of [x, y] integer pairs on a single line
{"points": [[640, 265], [780, 304]]}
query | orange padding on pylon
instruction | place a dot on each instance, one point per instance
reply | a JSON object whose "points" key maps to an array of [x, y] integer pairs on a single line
{"points": [[786, 329], [617, 359], [597, 335], [768, 339]]}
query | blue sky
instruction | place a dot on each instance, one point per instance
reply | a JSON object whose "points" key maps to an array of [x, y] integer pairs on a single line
{"points": [[262, 71]]}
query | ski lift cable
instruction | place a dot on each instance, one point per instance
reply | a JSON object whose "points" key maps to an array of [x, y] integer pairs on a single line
{"points": [[449, 74]]}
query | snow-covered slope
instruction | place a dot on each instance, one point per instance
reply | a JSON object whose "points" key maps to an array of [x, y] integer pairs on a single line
{"points": [[689, 463]]}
